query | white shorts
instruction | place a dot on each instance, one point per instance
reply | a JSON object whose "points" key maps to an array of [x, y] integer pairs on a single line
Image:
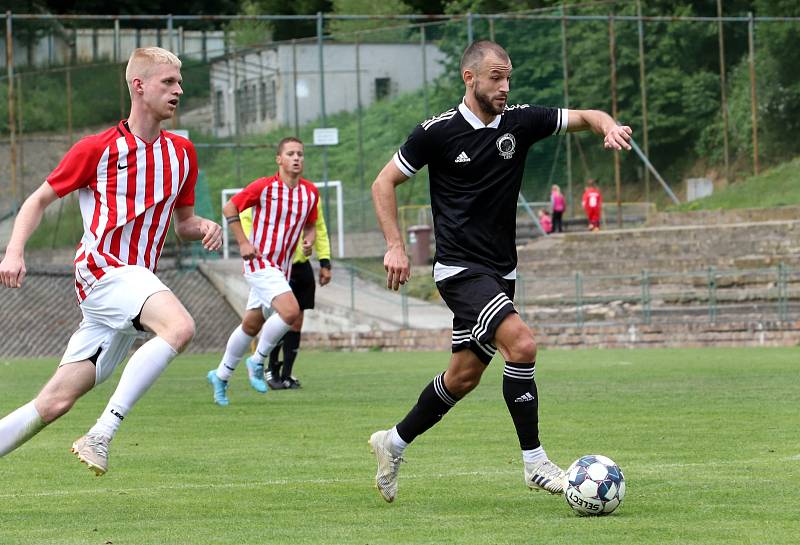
{"points": [[107, 329], [265, 285]]}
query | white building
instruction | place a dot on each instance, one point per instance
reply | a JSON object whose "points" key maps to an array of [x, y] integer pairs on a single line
{"points": [[84, 45], [280, 85]]}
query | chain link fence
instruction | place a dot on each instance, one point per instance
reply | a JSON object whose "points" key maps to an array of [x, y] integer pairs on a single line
{"points": [[699, 91]]}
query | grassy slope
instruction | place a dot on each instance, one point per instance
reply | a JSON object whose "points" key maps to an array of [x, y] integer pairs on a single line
{"points": [[778, 186], [707, 440], [385, 125]]}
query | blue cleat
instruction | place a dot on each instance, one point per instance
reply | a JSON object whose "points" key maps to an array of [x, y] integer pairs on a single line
{"points": [[220, 388], [255, 371]]}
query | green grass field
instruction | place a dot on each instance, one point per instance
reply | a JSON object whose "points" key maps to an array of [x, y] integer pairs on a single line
{"points": [[708, 440]]}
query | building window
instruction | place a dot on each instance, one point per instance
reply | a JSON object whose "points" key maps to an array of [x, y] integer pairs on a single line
{"points": [[252, 103], [246, 97], [383, 88], [268, 100], [219, 109], [241, 107], [272, 107], [263, 96]]}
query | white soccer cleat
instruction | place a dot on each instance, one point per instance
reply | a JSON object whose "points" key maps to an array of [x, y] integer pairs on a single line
{"points": [[545, 475], [92, 450], [388, 464]]}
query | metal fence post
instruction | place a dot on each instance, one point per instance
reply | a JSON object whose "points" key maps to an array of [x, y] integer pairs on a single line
{"points": [[323, 119], [12, 123], [352, 287], [123, 84], [712, 295], [404, 305], [360, 129], [423, 46], [643, 89], [645, 282], [470, 36], [170, 29], [521, 283], [567, 137], [783, 306], [751, 57], [579, 299], [722, 91]]}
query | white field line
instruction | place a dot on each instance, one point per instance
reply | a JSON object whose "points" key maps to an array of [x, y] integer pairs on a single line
{"points": [[240, 485], [650, 470]]}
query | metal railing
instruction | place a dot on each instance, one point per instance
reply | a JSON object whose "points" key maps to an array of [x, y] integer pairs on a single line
{"points": [[366, 299], [706, 296]]}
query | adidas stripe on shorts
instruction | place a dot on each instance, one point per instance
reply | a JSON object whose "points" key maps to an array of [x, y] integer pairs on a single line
{"points": [[479, 302]]}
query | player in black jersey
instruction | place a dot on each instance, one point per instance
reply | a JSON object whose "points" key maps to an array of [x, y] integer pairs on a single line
{"points": [[476, 156]]}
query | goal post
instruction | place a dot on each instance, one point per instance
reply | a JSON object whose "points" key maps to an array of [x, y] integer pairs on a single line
{"points": [[227, 193]]}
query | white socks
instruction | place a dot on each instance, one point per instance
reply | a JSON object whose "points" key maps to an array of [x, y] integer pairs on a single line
{"points": [[142, 370], [18, 427], [271, 334], [534, 456], [397, 442], [234, 350]]}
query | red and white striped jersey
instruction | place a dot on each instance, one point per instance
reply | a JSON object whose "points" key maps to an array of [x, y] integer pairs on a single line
{"points": [[127, 190], [279, 214]]}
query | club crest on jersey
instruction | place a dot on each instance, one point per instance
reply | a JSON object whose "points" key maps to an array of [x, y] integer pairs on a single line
{"points": [[506, 145]]}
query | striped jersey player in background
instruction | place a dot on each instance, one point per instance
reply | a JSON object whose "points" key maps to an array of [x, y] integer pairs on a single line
{"points": [[278, 374], [476, 157], [284, 207], [131, 180]]}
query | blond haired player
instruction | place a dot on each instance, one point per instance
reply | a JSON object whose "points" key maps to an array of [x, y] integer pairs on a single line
{"points": [[131, 180]]}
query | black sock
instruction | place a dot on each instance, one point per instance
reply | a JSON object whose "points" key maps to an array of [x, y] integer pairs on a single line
{"points": [[522, 400], [274, 364], [291, 343], [433, 403]]}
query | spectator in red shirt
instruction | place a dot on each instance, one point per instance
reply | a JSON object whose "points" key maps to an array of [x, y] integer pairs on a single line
{"points": [[592, 204]]}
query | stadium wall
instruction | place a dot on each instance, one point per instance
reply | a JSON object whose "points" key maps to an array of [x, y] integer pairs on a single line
{"points": [[742, 334]]}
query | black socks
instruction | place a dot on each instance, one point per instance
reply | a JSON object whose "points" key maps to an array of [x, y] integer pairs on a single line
{"points": [[522, 400]]}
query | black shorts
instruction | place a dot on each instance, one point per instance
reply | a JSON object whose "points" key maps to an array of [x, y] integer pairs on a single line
{"points": [[479, 301], [303, 284]]}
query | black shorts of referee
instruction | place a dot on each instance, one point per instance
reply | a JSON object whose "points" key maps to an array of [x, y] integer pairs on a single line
{"points": [[303, 284]]}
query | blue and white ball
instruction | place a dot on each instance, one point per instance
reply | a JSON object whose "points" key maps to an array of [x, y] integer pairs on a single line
{"points": [[595, 485]]}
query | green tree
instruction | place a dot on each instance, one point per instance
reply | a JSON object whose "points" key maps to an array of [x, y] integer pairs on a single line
{"points": [[289, 29], [250, 32], [370, 29]]}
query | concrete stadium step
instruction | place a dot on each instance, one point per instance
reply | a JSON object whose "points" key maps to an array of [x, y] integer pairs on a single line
{"points": [[713, 217], [682, 248], [365, 307], [625, 312], [634, 266]]}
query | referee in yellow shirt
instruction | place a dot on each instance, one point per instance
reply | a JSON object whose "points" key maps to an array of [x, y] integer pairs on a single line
{"points": [[279, 375]]}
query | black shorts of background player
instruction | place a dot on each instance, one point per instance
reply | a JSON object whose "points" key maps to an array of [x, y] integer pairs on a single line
{"points": [[279, 374]]}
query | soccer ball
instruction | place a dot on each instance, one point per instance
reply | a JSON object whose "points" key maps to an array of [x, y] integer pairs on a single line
{"points": [[595, 485]]}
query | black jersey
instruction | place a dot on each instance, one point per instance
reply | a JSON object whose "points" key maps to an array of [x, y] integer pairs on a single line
{"points": [[475, 173]]}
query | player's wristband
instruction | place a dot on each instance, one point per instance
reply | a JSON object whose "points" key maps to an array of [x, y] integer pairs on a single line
{"points": [[232, 219], [325, 263]]}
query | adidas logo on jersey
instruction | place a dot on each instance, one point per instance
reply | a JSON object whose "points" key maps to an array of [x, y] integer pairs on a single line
{"points": [[462, 158], [527, 396]]}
